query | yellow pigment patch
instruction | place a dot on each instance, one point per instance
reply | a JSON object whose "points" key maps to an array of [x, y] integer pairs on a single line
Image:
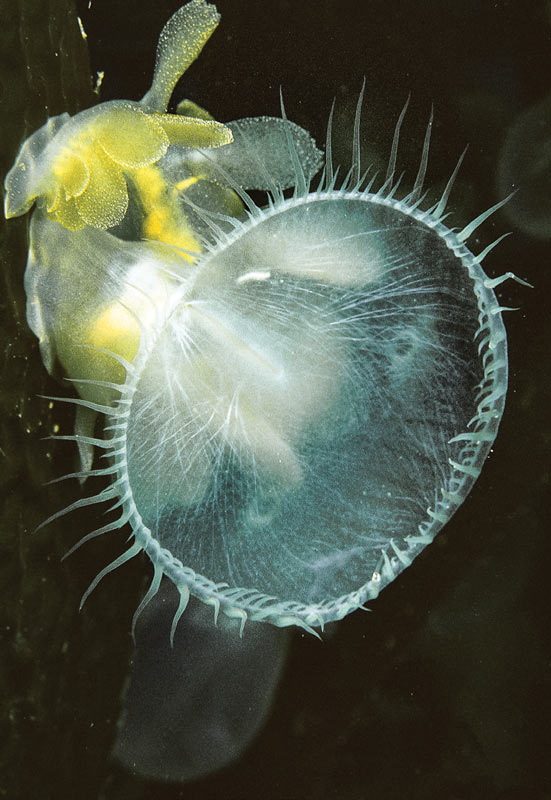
{"points": [[164, 221], [116, 330], [185, 184]]}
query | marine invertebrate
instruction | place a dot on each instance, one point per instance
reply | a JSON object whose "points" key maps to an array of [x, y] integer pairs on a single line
{"points": [[304, 401], [312, 406]]}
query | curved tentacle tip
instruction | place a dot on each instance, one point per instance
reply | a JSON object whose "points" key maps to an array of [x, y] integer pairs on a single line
{"points": [[118, 562]]}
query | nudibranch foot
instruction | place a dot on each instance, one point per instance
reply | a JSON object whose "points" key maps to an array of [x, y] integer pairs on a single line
{"points": [[132, 551], [208, 701], [311, 402]]}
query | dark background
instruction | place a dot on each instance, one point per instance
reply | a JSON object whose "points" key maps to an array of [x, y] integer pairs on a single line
{"points": [[442, 691]]}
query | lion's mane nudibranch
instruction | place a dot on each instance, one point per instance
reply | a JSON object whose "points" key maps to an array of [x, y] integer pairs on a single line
{"points": [[310, 389]]}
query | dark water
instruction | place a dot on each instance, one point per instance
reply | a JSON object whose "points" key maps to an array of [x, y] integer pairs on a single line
{"points": [[442, 691]]}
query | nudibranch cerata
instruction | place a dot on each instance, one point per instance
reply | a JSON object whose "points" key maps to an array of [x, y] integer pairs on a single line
{"points": [[298, 397]]}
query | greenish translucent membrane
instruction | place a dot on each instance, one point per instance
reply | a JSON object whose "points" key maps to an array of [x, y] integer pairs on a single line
{"points": [[288, 427]]}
